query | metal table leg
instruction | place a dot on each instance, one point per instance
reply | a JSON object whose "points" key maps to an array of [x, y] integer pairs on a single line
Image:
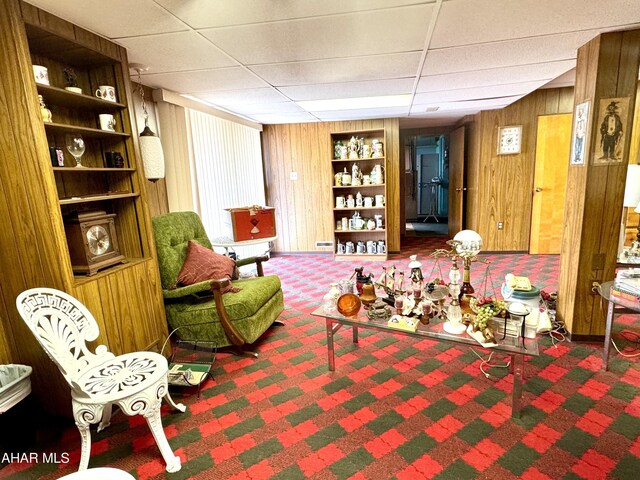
{"points": [[331, 329], [607, 336], [518, 367], [355, 334]]}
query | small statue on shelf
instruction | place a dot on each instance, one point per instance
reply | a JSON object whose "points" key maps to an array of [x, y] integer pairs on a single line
{"points": [[356, 175], [353, 148]]}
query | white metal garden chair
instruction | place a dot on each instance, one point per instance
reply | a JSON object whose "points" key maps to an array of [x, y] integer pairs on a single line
{"points": [[136, 382]]}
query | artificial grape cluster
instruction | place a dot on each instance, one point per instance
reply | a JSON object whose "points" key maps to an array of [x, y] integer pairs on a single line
{"points": [[431, 286], [482, 317]]}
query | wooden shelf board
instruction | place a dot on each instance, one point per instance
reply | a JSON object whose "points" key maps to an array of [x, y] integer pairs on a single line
{"points": [[96, 198], [61, 96], [337, 160], [360, 186], [64, 50], [91, 169], [89, 132], [357, 257], [81, 279], [346, 209], [339, 232]]}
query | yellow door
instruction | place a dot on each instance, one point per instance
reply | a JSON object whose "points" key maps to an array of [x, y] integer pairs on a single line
{"points": [[552, 163]]}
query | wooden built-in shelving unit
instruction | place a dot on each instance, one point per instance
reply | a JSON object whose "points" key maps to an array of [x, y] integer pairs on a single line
{"points": [[366, 164]]}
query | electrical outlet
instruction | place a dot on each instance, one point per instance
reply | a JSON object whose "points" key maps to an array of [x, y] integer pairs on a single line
{"points": [[293, 175], [500, 225]]}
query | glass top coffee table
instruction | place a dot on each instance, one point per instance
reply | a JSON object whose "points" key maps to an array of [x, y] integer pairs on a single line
{"points": [[515, 347]]}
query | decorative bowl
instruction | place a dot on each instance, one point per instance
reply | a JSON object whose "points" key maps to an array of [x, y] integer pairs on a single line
{"points": [[348, 304]]}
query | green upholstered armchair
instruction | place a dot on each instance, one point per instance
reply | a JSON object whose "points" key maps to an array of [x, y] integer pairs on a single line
{"points": [[201, 312]]}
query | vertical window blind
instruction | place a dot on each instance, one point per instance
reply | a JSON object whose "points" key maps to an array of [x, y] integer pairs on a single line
{"points": [[228, 163]]}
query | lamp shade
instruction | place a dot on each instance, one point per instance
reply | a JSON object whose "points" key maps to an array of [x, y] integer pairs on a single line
{"points": [[632, 186], [152, 155], [637, 210], [470, 243]]}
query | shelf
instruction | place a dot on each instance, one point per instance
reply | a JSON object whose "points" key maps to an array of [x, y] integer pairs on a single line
{"points": [[360, 186], [81, 279], [96, 198], [91, 169], [357, 257], [60, 96], [337, 160], [89, 132], [346, 209], [43, 42], [377, 230]]}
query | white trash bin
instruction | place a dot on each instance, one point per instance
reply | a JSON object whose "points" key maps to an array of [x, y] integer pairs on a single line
{"points": [[15, 385]]}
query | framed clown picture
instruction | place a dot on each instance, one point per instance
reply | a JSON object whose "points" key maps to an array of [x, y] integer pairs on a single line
{"points": [[612, 131]]}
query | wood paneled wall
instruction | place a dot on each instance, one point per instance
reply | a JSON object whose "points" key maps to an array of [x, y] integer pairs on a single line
{"points": [[607, 67], [304, 206], [156, 191], [500, 186]]}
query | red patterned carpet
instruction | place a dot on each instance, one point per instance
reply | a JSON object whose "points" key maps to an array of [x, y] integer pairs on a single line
{"points": [[394, 407]]}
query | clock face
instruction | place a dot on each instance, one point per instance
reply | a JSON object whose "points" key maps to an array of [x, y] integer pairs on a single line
{"points": [[509, 140], [98, 240]]}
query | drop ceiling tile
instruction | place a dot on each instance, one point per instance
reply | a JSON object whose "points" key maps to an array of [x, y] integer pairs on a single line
{"points": [[239, 97], [566, 79], [249, 109], [175, 52], [115, 18], [206, 14], [510, 53], [233, 78], [349, 89], [476, 93], [495, 76], [363, 113], [284, 118], [485, 104], [495, 20], [354, 34], [376, 67]]}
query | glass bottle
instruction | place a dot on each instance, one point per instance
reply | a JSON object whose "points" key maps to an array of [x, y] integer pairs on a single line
{"points": [[466, 288]]}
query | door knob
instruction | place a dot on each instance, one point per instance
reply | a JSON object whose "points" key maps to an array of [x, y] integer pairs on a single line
{"points": [[458, 189], [538, 189]]}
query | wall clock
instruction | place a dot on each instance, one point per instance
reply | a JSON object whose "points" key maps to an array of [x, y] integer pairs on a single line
{"points": [[92, 240], [509, 139]]}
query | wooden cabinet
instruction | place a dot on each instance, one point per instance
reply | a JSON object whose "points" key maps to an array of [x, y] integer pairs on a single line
{"points": [[93, 186], [359, 195], [125, 299]]}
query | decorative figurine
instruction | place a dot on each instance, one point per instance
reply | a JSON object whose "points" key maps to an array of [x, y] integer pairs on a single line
{"points": [[44, 111], [353, 148]]}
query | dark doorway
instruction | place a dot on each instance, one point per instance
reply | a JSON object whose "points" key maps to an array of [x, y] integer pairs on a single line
{"points": [[426, 185]]}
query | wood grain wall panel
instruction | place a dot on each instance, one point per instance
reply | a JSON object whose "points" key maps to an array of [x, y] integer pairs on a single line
{"points": [[607, 67], [501, 186], [31, 235], [304, 206]]}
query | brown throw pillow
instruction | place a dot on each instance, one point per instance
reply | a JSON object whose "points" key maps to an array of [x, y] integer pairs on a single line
{"points": [[203, 264]]}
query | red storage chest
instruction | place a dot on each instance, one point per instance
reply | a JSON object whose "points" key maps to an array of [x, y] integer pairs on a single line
{"points": [[251, 223]]}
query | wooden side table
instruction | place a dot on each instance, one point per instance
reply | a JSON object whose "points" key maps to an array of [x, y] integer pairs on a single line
{"points": [[616, 306]]}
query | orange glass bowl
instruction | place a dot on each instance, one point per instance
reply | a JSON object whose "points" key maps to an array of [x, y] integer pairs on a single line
{"points": [[349, 304]]}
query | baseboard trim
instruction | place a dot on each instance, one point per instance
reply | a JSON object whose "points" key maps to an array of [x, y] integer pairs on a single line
{"points": [[586, 338]]}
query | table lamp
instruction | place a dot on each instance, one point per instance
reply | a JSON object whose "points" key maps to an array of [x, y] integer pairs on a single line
{"points": [[632, 200]]}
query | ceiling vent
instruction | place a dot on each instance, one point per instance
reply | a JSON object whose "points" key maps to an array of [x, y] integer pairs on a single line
{"points": [[432, 109]]}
